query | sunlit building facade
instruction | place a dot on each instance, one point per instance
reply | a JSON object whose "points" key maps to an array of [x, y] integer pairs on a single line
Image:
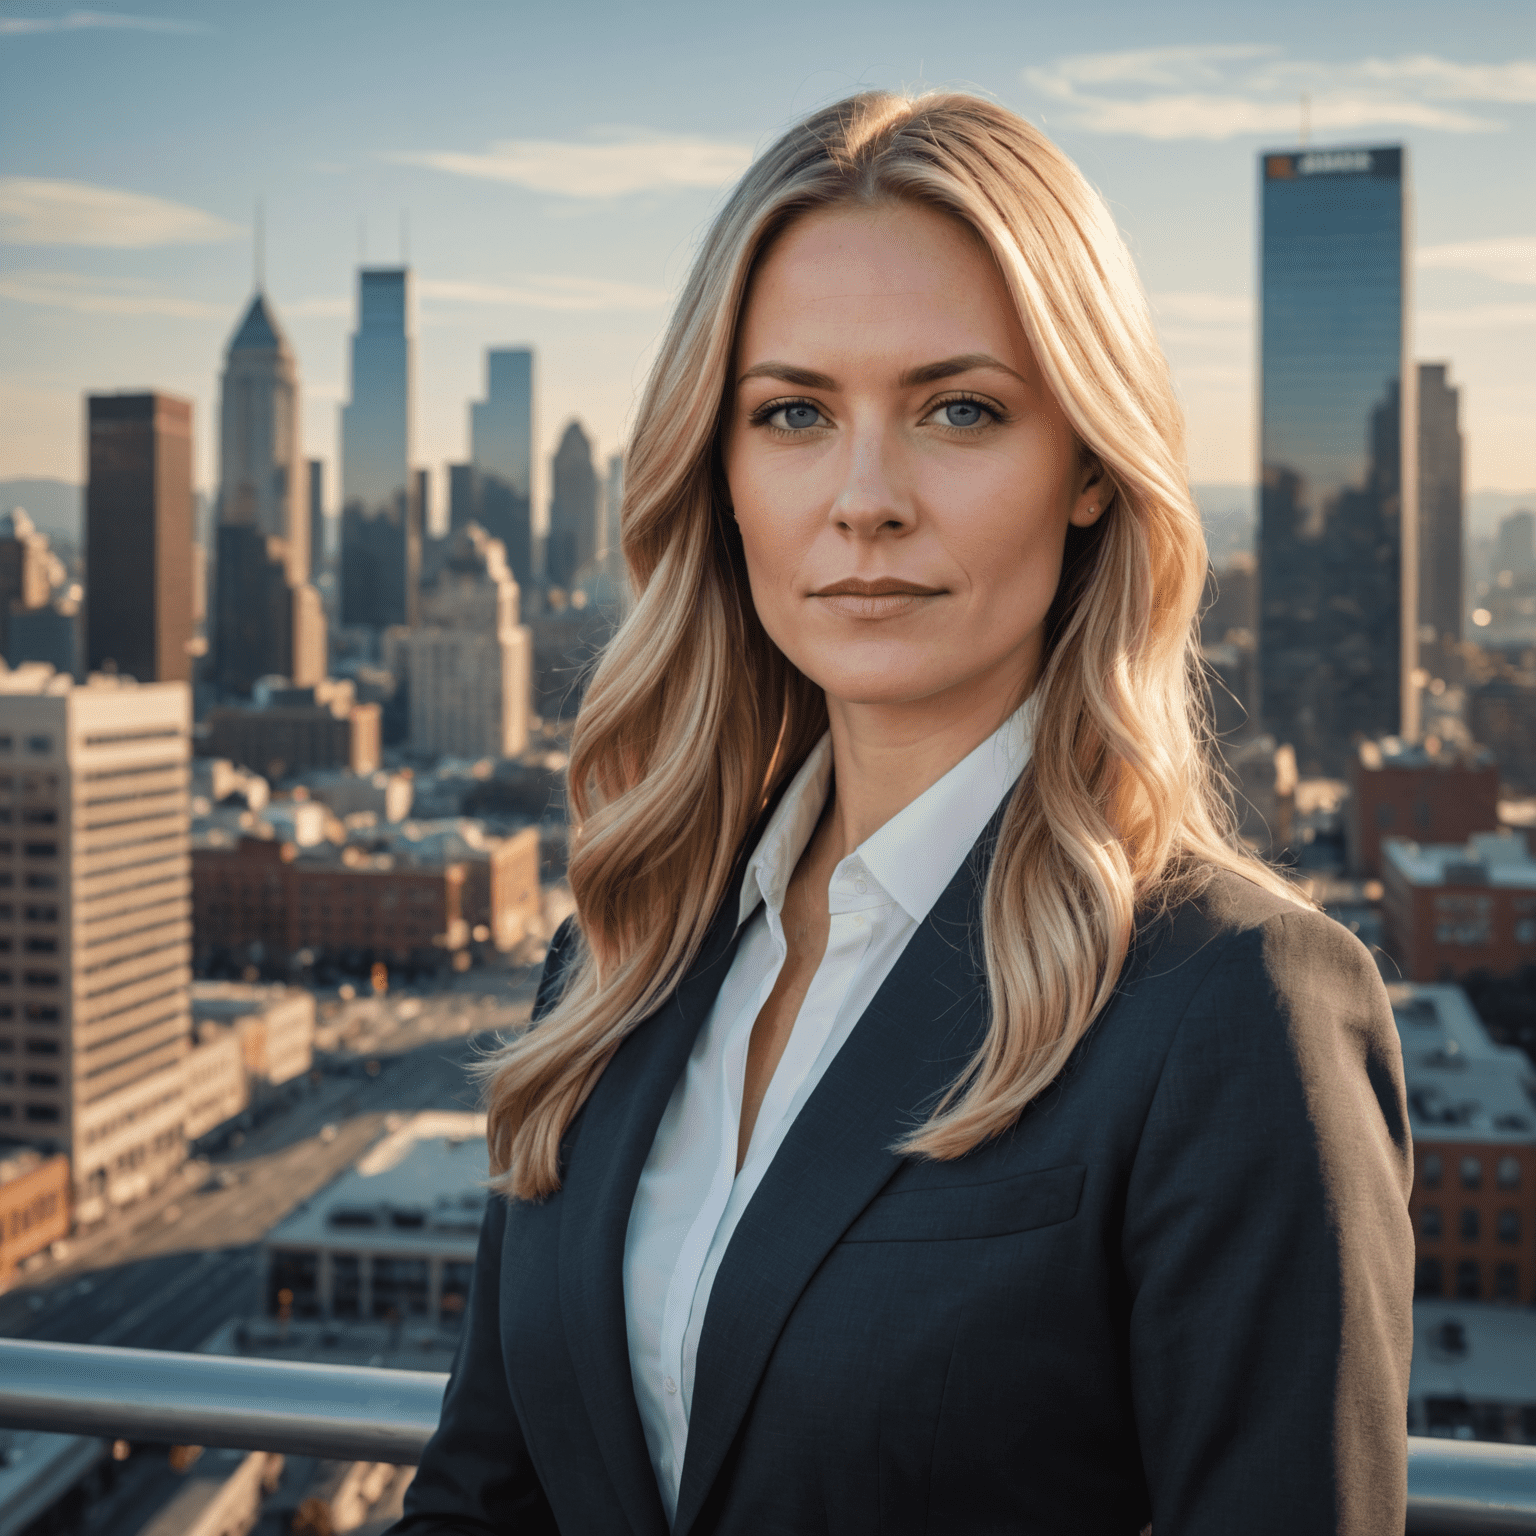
{"points": [[497, 488], [1338, 507], [380, 520]]}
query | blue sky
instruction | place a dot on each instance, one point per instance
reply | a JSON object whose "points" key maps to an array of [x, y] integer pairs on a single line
{"points": [[557, 163]]}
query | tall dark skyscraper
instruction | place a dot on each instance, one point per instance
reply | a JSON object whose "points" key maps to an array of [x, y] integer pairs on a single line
{"points": [[268, 619], [138, 537], [380, 524], [1337, 527], [501, 433], [1440, 505], [573, 530], [316, 516], [463, 496]]}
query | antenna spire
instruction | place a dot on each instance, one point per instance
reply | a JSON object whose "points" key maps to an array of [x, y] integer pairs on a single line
{"points": [[259, 247]]}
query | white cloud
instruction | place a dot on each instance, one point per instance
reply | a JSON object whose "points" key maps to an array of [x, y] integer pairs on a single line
{"points": [[546, 292], [37, 212], [1220, 92], [315, 309], [91, 21], [609, 164], [103, 296], [1511, 259], [1478, 317], [1223, 309]]}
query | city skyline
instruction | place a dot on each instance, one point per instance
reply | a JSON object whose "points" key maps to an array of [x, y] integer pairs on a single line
{"points": [[533, 224]]}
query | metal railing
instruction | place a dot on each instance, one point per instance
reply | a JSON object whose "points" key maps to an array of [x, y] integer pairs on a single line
{"points": [[361, 1413]]}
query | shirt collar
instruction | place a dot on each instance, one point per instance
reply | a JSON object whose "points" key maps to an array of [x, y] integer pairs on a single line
{"points": [[943, 822]]}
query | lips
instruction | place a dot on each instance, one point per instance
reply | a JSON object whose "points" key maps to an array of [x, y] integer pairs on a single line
{"points": [[886, 597]]}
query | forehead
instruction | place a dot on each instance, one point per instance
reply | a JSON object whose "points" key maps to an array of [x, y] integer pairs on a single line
{"points": [[897, 277]]}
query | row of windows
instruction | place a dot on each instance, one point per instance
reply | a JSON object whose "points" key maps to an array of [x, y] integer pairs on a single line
{"points": [[1430, 1280], [33, 882], [42, 744], [28, 783], [33, 914], [1507, 1172], [31, 978], [32, 850], [31, 816], [32, 1079], [33, 1047], [38, 1114], [34, 1013], [1432, 1225]]}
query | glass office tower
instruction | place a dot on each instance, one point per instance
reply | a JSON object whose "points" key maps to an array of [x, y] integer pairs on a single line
{"points": [[501, 450], [1337, 529], [380, 521]]}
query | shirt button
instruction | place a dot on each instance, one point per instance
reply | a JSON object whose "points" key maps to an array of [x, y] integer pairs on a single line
{"points": [[669, 1384], [858, 919], [860, 886]]}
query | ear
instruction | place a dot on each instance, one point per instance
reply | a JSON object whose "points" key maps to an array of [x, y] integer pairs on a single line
{"points": [[1093, 495]]}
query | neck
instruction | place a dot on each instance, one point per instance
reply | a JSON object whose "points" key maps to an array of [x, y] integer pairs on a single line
{"points": [[885, 756]]}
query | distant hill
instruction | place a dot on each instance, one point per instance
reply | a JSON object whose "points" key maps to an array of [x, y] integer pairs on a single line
{"points": [[53, 505]]}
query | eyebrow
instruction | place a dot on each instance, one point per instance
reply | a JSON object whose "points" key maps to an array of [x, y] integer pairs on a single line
{"points": [[926, 373]]}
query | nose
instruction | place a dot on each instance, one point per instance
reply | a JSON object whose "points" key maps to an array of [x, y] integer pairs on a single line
{"points": [[874, 497]]}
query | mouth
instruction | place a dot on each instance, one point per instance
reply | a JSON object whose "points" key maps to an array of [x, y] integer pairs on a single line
{"points": [[883, 598]]}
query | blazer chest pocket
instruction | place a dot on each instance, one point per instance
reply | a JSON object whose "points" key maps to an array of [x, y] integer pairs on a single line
{"points": [[1040, 1198]]}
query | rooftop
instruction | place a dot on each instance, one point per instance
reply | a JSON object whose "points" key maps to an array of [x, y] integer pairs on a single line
{"points": [[1476, 1351], [1462, 1086], [1500, 859], [1393, 752], [419, 1190]]}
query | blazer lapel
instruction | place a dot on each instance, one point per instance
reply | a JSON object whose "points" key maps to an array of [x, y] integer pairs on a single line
{"points": [[618, 1125], [911, 1043]]}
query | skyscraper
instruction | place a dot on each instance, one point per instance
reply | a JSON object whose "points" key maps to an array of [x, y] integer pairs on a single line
{"points": [[573, 529], [1338, 510], [613, 506], [267, 618], [501, 432], [96, 1019], [463, 497], [380, 530], [138, 537], [1440, 505], [316, 516]]}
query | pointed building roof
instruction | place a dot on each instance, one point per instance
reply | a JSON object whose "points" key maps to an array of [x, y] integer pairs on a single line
{"points": [[259, 331]]}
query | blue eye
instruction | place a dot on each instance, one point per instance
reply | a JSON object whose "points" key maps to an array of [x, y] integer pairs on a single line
{"points": [[963, 413], [797, 416]]}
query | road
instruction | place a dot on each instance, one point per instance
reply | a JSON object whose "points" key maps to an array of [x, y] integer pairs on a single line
{"points": [[166, 1273]]}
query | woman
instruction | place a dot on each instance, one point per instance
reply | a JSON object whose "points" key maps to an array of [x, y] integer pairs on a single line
{"points": [[937, 1121]]}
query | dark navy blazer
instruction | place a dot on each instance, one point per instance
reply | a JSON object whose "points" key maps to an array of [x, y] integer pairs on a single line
{"points": [[1177, 1291]]}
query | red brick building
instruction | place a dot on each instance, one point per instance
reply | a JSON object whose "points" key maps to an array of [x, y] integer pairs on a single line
{"points": [[1451, 909], [34, 1204], [1399, 789], [1474, 1133], [337, 902]]}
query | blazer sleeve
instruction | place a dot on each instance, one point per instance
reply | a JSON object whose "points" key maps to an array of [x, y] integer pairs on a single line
{"points": [[1269, 1248], [475, 1476]]}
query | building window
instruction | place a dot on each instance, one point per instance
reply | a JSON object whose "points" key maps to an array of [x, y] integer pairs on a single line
{"points": [[1509, 1173], [37, 946], [41, 978], [40, 744], [43, 1114], [5, 1111], [42, 850], [1469, 1280], [37, 882], [1429, 1221], [1429, 1278], [1430, 1170], [42, 1047], [42, 1079], [346, 1285], [1469, 1224], [1506, 1283], [1509, 1226], [42, 1013], [6, 743], [36, 914], [1471, 1173]]}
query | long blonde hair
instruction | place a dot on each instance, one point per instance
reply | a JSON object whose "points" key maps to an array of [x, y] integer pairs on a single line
{"points": [[693, 718]]}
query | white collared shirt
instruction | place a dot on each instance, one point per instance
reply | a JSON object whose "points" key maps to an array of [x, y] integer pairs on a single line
{"points": [[690, 1196]]}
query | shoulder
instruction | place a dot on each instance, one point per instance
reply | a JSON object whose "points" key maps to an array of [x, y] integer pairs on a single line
{"points": [[1229, 955]]}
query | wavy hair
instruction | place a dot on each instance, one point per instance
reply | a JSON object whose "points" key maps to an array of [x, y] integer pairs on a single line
{"points": [[693, 718]]}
